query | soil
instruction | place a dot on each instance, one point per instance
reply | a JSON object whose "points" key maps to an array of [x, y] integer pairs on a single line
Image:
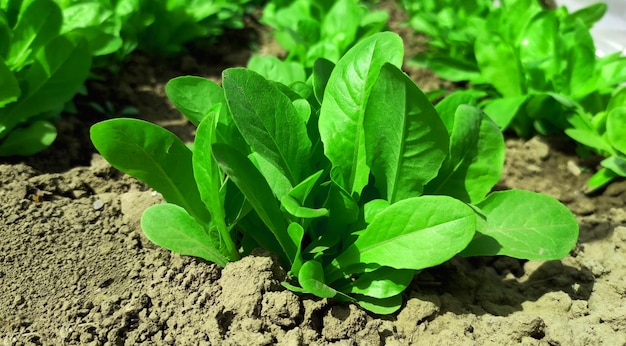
{"points": [[77, 270]]}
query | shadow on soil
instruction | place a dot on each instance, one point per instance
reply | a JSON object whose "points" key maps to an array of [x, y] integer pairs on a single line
{"points": [[498, 285]]}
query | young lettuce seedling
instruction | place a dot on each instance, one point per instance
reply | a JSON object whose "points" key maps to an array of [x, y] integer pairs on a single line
{"points": [[356, 183], [604, 133]]}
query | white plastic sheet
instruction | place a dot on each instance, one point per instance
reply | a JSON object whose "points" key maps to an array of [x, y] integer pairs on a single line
{"points": [[609, 34]]}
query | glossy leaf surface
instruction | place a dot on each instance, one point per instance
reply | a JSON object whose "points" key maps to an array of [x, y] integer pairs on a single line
{"points": [[345, 100], [405, 140], [524, 224]]}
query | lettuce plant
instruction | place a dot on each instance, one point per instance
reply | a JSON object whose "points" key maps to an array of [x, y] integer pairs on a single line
{"points": [[41, 69], [310, 29], [556, 83], [529, 64], [549, 58], [353, 179], [47, 48], [451, 27], [96, 21], [119, 27], [164, 27], [313, 30], [535, 70], [605, 134]]}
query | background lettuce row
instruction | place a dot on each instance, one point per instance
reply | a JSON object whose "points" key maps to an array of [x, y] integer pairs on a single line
{"points": [[41, 68], [309, 30], [47, 49], [534, 70]]}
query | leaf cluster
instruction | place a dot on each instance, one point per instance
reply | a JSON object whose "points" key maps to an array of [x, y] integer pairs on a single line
{"points": [[165, 26], [353, 178], [310, 29], [47, 49], [535, 69], [154, 26], [451, 27], [42, 66], [605, 134]]}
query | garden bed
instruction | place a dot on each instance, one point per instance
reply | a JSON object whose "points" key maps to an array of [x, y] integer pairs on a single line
{"points": [[76, 268]]}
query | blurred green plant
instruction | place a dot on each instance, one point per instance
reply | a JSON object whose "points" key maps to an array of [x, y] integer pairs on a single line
{"points": [[535, 70], [108, 110], [310, 30], [603, 133], [451, 27], [164, 27], [47, 49], [41, 68]]}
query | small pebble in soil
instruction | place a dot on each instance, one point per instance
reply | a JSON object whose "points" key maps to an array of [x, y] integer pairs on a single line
{"points": [[98, 204], [12, 218], [573, 168], [533, 168], [78, 193]]}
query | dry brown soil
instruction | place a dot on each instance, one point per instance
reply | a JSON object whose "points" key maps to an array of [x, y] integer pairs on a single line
{"points": [[75, 268]]}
